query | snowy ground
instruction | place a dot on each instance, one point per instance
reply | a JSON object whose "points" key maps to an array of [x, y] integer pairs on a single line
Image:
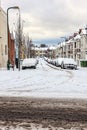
{"points": [[44, 82]]}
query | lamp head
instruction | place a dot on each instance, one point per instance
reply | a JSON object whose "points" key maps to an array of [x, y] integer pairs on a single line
{"points": [[13, 7]]}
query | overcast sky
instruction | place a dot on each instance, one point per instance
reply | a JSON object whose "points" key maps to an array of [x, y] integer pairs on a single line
{"points": [[50, 18]]}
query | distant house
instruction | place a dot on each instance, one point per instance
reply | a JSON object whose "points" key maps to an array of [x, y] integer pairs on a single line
{"points": [[40, 51], [44, 51]]}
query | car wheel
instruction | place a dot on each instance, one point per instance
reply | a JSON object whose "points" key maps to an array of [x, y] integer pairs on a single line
{"points": [[34, 67], [75, 68], [62, 65], [23, 68]]}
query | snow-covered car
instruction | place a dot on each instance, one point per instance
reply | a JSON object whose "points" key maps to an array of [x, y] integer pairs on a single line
{"points": [[48, 60], [68, 63], [58, 61], [54, 61], [37, 59], [51, 61], [29, 62], [45, 58]]}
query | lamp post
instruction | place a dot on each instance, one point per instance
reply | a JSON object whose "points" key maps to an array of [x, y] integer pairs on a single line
{"points": [[20, 40], [14, 7]]}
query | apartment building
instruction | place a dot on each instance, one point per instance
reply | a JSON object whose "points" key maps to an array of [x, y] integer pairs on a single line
{"points": [[3, 39]]}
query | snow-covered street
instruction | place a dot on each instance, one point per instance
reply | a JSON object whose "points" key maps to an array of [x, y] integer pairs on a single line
{"points": [[44, 81]]}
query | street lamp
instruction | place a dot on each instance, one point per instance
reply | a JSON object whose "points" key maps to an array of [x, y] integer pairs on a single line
{"points": [[14, 7]]}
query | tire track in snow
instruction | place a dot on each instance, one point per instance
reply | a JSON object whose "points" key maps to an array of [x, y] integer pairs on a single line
{"points": [[45, 67], [70, 75]]}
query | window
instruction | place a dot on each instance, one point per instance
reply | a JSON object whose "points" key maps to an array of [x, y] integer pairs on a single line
{"points": [[75, 45], [5, 49]]}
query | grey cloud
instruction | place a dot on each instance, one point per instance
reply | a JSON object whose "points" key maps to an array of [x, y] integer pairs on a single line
{"points": [[51, 17]]}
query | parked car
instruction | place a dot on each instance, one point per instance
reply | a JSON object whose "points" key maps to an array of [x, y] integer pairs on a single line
{"points": [[53, 61], [45, 58], [48, 60], [68, 63], [58, 61], [29, 62], [37, 59]]}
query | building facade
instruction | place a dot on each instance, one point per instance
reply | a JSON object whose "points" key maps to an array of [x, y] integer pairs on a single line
{"points": [[3, 39], [43, 51], [11, 49], [75, 48]]}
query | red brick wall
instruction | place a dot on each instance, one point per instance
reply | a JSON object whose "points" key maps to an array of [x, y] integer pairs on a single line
{"points": [[11, 52]]}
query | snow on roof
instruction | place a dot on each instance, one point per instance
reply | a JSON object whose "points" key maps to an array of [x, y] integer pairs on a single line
{"points": [[71, 40], [84, 31], [52, 47], [58, 45], [77, 37], [44, 48], [63, 43], [41, 48]]}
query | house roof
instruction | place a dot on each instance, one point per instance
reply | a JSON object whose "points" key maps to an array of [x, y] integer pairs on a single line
{"points": [[77, 37], [84, 31]]}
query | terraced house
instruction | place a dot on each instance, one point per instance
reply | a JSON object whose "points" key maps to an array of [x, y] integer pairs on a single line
{"points": [[75, 47], [4, 42], [3, 39]]}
